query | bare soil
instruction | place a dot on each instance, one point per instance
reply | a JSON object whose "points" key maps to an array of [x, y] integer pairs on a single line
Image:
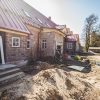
{"points": [[55, 84]]}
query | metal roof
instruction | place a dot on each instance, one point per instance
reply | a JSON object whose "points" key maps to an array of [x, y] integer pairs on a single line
{"points": [[73, 37], [14, 14]]}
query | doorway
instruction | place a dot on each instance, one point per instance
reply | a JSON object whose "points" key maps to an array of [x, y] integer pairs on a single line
{"points": [[59, 48], [2, 61]]}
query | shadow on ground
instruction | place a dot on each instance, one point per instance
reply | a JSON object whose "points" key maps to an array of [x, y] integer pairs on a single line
{"points": [[39, 65]]}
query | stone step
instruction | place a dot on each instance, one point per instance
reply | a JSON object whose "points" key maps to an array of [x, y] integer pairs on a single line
{"points": [[10, 79], [9, 72], [5, 67]]}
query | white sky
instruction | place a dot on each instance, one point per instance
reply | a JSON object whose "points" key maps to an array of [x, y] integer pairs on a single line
{"points": [[69, 12]]}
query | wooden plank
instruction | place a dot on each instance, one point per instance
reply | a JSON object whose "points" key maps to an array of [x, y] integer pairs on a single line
{"points": [[79, 68]]}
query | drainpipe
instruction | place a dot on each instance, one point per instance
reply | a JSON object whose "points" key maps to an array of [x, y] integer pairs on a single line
{"points": [[38, 48]]}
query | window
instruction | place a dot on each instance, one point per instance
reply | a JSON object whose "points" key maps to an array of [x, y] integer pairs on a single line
{"points": [[44, 44], [69, 45], [28, 44], [15, 42]]}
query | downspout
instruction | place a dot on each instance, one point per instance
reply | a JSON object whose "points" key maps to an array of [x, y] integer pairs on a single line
{"points": [[38, 48]]}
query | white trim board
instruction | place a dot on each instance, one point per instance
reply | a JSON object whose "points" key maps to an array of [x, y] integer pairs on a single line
{"points": [[2, 51]]}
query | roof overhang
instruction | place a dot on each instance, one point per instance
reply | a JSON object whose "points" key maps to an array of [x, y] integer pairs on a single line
{"points": [[46, 29], [13, 31]]}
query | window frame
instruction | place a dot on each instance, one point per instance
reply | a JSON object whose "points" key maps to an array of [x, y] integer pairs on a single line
{"points": [[13, 41], [29, 44], [44, 44], [70, 45]]}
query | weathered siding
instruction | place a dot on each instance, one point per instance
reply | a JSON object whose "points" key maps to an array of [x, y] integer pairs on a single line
{"points": [[59, 41], [34, 40], [72, 50], [49, 51], [14, 54], [53, 39]]}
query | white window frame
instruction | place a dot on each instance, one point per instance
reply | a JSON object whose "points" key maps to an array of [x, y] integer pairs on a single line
{"points": [[69, 45], [29, 44], [44, 44], [13, 41]]}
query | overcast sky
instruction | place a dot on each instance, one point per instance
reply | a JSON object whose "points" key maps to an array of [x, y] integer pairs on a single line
{"points": [[69, 12]]}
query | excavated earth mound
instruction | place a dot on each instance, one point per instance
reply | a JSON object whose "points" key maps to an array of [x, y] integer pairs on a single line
{"points": [[51, 84]]}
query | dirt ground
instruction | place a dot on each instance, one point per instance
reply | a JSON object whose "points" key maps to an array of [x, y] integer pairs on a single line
{"points": [[94, 57], [56, 84], [94, 76]]}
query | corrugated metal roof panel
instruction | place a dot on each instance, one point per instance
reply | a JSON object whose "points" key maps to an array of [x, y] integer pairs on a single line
{"points": [[13, 16]]}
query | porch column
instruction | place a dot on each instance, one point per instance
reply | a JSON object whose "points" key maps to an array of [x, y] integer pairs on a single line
{"points": [[2, 51]]}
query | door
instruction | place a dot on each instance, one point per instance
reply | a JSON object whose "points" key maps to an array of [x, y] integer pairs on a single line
{"points": [[2, 61]]}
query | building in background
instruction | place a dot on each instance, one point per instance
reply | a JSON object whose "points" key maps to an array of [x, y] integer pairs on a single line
{"points": [[72, 44]]}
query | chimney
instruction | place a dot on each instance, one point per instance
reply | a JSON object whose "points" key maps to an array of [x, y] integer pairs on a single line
{"points": [[49, 17]]}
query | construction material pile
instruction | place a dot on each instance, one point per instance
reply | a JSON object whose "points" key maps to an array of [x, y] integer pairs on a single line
{"points": [[51, 84]]}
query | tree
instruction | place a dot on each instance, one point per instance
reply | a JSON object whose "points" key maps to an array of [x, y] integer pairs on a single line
{"points": [[90, 23], [93, 39]]}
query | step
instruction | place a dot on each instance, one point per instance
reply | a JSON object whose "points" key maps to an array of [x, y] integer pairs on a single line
{"points": [[9, 72], [11, 78], [7, 67]]}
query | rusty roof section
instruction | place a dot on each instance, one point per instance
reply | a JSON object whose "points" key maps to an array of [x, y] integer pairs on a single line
{"points": [[14, 14]]}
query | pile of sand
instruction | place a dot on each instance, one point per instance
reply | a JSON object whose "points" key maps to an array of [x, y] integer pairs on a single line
{"points": [[51, 84]]}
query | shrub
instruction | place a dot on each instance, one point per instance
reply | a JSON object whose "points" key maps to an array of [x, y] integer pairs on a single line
{"points": [[77, 57]]}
